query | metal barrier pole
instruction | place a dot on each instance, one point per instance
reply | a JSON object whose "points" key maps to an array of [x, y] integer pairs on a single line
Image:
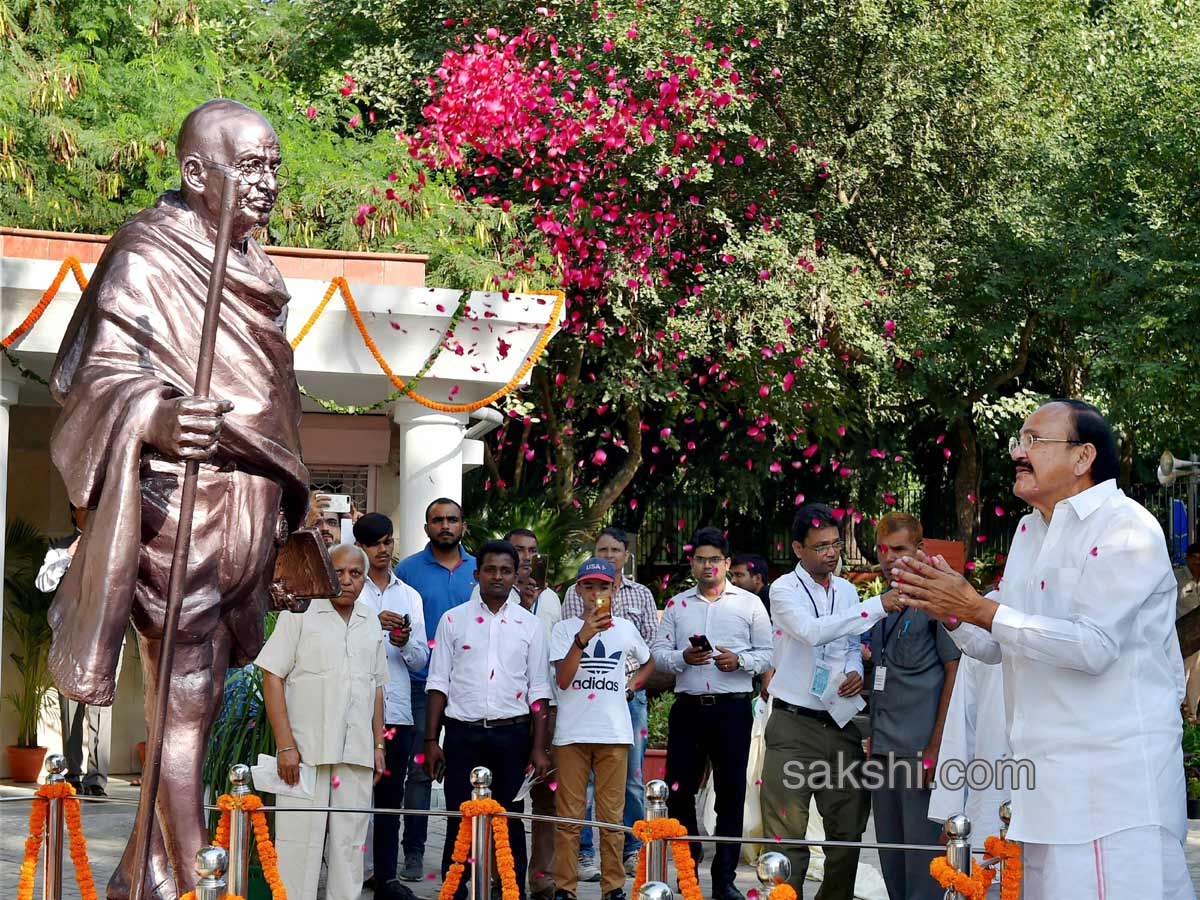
{"points": [[210, 866], [481, 834], [772, 868], [654, 890], [1005, 819], [56, 766], [239, 833], [958, 849], [656, 851]]}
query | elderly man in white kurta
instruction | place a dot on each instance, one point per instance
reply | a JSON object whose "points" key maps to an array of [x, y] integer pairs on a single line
{"points": [[324, 672], [1084, 627]]}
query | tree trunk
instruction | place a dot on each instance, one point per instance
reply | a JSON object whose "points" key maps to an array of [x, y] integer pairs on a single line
{"points": [[620, 480], [967, 478]]}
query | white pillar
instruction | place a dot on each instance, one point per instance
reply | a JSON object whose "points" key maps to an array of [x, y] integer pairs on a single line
{"points": [[431, 449], [9, 389]]}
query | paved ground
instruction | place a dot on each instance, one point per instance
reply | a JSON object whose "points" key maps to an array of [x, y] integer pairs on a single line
{"points": [[107, 827]]}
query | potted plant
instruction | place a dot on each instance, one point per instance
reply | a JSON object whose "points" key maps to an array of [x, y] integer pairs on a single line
{"points": [[657, 714], [25, 610]]}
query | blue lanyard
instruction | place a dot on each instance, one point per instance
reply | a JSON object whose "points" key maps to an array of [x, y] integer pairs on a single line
{"points": [[817, 612]]}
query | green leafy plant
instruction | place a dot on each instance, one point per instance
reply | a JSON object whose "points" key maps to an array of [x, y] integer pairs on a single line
{"points": [[657, 717], [242, 730], [559, 530], [25, 610]]}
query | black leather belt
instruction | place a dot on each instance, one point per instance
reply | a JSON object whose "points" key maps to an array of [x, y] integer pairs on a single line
{"points": [[711, 699], [493, 723], [819, 714]]}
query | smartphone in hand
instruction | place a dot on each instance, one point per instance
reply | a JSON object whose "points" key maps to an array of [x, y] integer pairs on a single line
{"points": [[700, 642]]}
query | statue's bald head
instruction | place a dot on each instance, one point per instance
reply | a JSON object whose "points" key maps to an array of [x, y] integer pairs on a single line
{"points": [[231, 133]]}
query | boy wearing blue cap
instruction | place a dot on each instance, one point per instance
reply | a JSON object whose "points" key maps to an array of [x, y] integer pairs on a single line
{"points": [[594, 730]]}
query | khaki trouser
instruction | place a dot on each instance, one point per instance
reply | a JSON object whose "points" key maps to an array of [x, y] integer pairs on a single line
{"points": [[541, 844], [794, 742], [300, 837], [575, 763]]}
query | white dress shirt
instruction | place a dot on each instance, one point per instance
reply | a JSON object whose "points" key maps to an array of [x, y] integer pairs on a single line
{"points": [[814, 623], [489, 666], [548, 608], [975, 729], [736, 620], [399, 598], [1093, 676]]}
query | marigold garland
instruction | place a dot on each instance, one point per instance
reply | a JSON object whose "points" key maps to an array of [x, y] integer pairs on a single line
{"points": [[1013, 871], [252, 804], [38, 816], [782, 891], [71, 264], [681, 852], [505, 863]]}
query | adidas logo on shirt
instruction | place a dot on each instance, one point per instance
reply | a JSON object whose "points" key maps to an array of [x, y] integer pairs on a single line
{"points": [[595, 667]]}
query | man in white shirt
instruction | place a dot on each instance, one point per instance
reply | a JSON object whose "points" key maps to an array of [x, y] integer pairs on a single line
{"points": [[547, 606], [489, 685], [594, 731], [1084, 628], [817, 618], [715, 637], [402, 619], [324, 671]]}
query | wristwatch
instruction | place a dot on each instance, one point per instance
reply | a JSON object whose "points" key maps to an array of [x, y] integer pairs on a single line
{"points": [[741, 661], [379, 747]]}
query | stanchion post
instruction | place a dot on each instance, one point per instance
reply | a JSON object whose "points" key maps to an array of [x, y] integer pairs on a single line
{"points": [[1005, 819], [481, 837], [654, 890], [239, 833], [56, 767], [656, 851], [958, 848], [772, 868], [210, 866]]}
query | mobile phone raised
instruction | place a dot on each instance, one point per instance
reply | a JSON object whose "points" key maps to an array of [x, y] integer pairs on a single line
{"points": [[700, 642]]}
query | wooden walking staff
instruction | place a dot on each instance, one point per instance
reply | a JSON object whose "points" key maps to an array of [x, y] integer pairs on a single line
{"points": [[183, 537]]}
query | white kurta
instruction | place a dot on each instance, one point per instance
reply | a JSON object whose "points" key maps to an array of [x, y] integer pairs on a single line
{"points": [[1093, 676], [975, 729], [331, 671]]}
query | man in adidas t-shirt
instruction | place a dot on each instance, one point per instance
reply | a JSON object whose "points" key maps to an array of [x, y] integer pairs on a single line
{"points": [[594, 731]]}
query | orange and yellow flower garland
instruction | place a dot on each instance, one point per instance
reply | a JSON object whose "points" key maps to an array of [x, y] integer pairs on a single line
{"points": [[71, 264], [462, 846], [782, 891], [685, 869], [37, 831], [975, 885], [252, 804]]}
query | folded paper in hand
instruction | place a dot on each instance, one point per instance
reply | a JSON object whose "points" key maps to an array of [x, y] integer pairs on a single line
{"points": [[843, 709], [266, 779]]}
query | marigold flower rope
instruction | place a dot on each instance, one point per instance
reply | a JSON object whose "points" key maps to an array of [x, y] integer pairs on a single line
{"points": [[505, 863], [37, 831], [71, 264], [975, 885], [685, 869], [252, 804]]}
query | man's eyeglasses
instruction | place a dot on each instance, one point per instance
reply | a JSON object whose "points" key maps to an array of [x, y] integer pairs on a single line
{"points": [[826, 547], [708, 560], [1026, 441], [252, 171]]}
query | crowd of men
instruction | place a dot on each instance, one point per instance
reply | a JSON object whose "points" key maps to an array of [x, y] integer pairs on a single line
{"points": [[419, 672], [1070, 664]]}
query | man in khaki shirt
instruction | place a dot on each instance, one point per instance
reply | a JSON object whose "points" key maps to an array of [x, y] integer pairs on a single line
{"points": [[324, 672]]}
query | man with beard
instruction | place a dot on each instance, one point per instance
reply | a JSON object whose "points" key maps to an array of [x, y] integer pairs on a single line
{"points": [[1084, 628], [715, 637], [402, 618], [489, 683], [124, 375], [444, 575]]}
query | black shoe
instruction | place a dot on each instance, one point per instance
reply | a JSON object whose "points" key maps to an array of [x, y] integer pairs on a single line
{"points": [[727, 892], [617, 894], [395, 889], [369, 884], [94, 790]]}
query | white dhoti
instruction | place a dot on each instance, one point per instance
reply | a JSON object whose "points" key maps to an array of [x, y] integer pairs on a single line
{"points": [[1134, 864], [300, 836]]}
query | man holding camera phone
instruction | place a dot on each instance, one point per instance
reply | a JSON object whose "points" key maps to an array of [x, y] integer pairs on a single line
{"points": [[715, 637], [402, 618]]}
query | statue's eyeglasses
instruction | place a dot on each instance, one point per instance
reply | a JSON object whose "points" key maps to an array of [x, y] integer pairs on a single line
{"points": [[252, 171]]}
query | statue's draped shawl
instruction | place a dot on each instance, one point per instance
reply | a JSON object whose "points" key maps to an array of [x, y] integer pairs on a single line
{"points": [[135, 339]]}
